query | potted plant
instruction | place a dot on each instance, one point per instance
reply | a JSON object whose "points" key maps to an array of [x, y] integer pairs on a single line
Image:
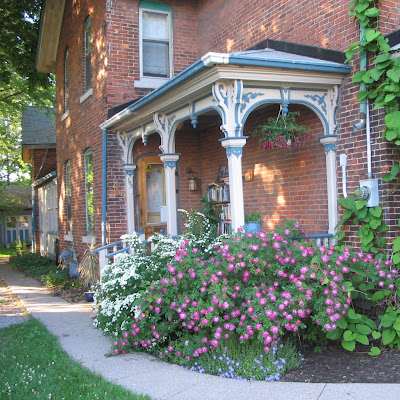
{"points": [[89, 272], [282, 131], [252, 222]]}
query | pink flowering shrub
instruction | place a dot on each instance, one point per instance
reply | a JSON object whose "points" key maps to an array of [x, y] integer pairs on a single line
{"points": [[254, 288]]}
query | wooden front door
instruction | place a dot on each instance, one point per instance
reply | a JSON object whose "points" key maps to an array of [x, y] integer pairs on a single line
{"points": [[151, 186]]}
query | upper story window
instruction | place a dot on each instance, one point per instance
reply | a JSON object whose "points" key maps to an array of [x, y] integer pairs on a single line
{"points": [[156, 48], [87, 54], [68, 196], [66, 81], [89, 192]]}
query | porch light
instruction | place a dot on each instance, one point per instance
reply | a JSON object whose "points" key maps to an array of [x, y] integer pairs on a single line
{"points": [[192, 180]]}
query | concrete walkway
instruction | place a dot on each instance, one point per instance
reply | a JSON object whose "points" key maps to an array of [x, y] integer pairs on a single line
{"points": [[143, 374]]}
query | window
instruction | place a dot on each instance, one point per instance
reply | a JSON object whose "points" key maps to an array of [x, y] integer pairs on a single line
{"points": [[155, 27], [89, 192], [87, 55], [66, 81], [68, 196]]}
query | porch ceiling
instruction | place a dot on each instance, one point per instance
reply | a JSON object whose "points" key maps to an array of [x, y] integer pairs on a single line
{"points": [[267, 69]]}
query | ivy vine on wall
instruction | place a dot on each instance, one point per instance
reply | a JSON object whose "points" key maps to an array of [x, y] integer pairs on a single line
{"points": [[382, 89]]}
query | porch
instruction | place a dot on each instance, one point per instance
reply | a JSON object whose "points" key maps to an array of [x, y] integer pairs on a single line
{"points": [[200, 123]]}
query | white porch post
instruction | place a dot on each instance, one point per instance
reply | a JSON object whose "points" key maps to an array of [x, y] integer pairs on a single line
{"points": [[170, 162], [130, 202], [329, 143], [234, 150]]}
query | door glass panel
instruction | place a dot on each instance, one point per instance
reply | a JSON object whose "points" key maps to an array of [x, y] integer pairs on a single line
{"points": [[154, 192]]}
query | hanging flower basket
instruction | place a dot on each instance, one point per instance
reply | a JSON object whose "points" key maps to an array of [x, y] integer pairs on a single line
{"points": [[282, 131]]}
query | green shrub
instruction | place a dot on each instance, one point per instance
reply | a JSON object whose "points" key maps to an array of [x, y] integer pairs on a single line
{"points": [[33, 264]]}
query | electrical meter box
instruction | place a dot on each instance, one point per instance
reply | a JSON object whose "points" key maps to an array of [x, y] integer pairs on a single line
{"points": [[371, 186]]}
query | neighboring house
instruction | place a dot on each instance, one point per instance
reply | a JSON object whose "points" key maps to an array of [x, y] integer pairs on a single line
{"points": [[39, 150], [15, 215], [154, 95]]}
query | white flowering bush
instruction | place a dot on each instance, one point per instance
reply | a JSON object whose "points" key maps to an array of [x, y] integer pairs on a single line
{"points": [[125, 281]]}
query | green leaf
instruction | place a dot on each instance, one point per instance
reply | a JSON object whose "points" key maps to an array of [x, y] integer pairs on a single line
{"points": [[374, 223], [376, 211], [381, 57], [363, 339], [396, 244], [365, 286], [394, 73], [348, 202], [372, 12], [378, 296], [393, 120], [368, 238], [371, 34], [361, 95], [375, 351], [396, 325], [389, 97], [360, 7], [387, 336], [360, 204], [347, 214], [358, 76], [376, 335], [349, 345], [334, 335], [342, 323], [390, 134], [388, 320], [352, 315], [364, 329], [396, 258], [348, 335]]}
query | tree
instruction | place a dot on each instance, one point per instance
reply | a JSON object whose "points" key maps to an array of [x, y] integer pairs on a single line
{"points": [[20, 84]]}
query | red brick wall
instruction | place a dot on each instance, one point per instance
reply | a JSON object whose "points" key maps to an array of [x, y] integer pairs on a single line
{"points": [[123, 46], [80, 130], [200, 27], [287, 184]]}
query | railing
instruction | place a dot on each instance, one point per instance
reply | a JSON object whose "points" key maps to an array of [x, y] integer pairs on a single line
{"points": [[109, 251], [322, 239], [120, 247]]}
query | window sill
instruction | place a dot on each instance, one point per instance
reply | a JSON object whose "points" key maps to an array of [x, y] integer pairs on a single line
{"points": [[86, 95], [65, 115], [68, 238], [150, 83], [89, 239]]}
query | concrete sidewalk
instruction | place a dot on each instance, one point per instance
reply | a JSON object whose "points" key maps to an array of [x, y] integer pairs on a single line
{"points": [[143, 374]]}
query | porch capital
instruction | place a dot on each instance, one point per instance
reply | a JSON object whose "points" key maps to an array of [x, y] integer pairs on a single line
{"points": [[170, 159], [129, 169], [234, 146], [329, 142]]}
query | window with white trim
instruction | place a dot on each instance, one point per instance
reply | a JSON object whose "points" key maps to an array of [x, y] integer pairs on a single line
{"points": [[66, 81], [68, 196], [156, 47], [87, 54], [89, 192]]}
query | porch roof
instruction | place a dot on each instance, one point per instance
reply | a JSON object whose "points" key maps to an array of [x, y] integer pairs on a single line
{"points": [[266, 67]]}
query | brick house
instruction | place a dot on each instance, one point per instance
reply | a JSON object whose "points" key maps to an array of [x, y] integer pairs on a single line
{"points": [[39, 150], [153, 95]]}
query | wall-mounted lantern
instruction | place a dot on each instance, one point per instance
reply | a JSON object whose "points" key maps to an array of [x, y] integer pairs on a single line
{"points": [[192, 180]]}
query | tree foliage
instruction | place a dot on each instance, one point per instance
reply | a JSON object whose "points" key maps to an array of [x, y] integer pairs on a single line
{"points": [[20, 84]]}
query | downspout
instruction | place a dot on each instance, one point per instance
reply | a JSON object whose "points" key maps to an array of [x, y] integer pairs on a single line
{"points": [[33, 217], [104, 191], [364, 109]]}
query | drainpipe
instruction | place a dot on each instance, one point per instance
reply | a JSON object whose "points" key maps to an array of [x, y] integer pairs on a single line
{"points": [[104, 191], [364, 109], [33, 218]]}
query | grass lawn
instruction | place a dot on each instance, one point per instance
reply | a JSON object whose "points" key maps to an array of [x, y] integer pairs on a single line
{"points": [[4, 252], [33, 366]]}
